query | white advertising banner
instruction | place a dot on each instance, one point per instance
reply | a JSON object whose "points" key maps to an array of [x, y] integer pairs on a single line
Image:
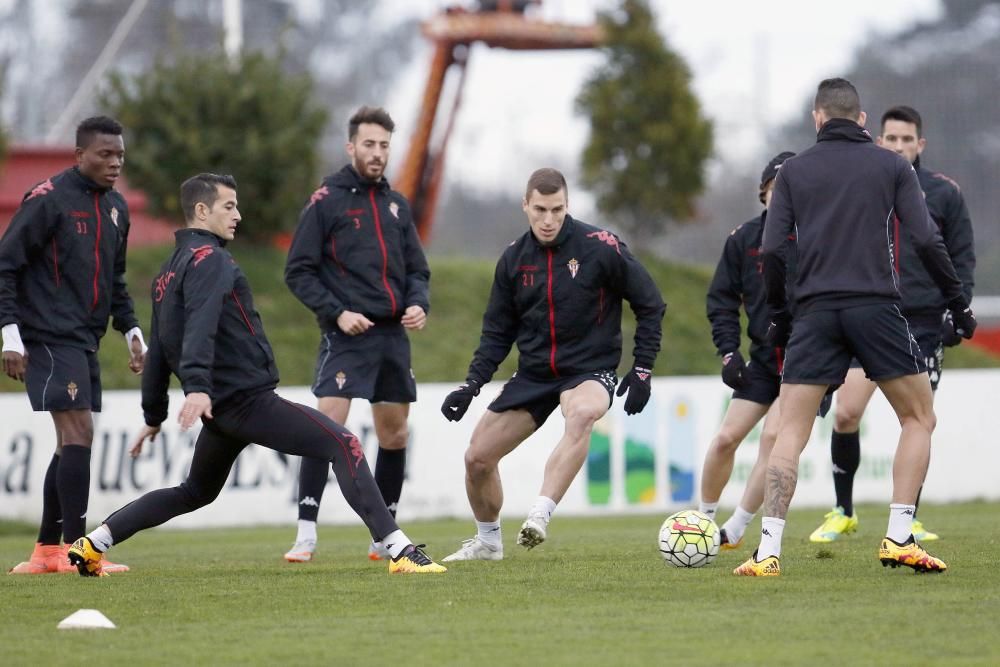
{"points": [[649, 462]]}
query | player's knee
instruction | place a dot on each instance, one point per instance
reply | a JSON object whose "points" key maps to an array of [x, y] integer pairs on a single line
{"points": [[477, 464], [725, 441], [197, 497], [395, 438], [583, 417], [846, 419]]}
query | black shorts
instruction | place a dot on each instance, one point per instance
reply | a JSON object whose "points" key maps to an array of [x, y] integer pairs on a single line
{"points": [[760, 385], [823, 342], [61, 377], [541, 397], [931, 348], [374, 365]]}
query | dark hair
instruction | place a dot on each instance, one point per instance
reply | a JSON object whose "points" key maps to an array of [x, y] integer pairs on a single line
{"points": [[547, 181], [905, 114], [202, 189], [366, 114], [91, 127], [838, 98]]}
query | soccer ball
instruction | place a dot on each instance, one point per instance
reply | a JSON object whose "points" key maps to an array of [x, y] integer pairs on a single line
{"points": [[689, 539]]}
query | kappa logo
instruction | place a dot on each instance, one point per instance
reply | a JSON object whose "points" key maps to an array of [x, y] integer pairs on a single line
{"points": [[394, 209], [341, 378], [356, 451], [161, 285], [71, 389], [573, 267], [114, 216], [40, 190], [318, 195], [765, 532], [606, 237], [200, 253], [310, 501]]}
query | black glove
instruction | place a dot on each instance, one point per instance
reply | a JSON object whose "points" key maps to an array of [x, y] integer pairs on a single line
{"points": [[949, 337], [732, 369], [457, 402], [638, 384], [779, 329], [827, 402], [964, 321]]}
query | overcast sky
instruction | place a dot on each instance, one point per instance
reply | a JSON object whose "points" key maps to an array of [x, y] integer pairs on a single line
{"points": [[753, 64]]}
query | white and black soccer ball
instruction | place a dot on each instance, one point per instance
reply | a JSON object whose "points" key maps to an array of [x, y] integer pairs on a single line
{"points": [[689, 539]]}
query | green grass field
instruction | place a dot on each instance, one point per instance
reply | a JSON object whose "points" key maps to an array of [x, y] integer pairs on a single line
{"points": [[596, 593]]}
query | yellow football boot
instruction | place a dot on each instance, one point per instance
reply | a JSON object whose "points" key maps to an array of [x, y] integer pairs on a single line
{"points": [[835, 524], [910, 554], [86, 558], [921, 534], [769, 567], [414, 561]]}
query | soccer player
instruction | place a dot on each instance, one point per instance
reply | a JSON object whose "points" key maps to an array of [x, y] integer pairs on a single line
{"points": [[557, 292], [62, 276], [840, 196], [206, 332], [923, 306], [356, 262], [755, 385]]}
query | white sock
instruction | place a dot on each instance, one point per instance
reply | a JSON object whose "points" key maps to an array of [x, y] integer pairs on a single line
{"points": [[900, 522], [737, 524], [708, 509], [489, 532], [395, 542], [307, 531], [770, 537], [101, 538], [543, 507]]}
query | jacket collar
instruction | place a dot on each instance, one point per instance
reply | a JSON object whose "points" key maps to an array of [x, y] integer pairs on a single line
{"points": [[564, 233], [348, 178], [85, 182], [194, 235], [842, 129]]}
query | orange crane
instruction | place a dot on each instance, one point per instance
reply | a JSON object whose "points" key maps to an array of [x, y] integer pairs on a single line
{"points": [[500, 24]]}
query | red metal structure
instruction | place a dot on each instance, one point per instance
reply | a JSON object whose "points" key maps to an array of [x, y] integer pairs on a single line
{"points": [[503, 25]]}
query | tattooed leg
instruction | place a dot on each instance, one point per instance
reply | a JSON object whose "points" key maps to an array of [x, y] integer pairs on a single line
{"points": [[782, 476]]}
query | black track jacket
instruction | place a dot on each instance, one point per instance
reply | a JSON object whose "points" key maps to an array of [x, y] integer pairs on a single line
{"points": [[738, 281], [945, 203], [562, 304], [62, 263], [356, 249], [205, 329], [841, 198]]}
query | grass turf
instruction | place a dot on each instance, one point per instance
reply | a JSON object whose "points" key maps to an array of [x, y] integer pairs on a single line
{"points": [[596, 593]]}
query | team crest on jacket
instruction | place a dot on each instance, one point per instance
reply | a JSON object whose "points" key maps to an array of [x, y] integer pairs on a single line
{"points": [[573, 267], [394, 209], [71, 389], [341, 379], [114, 216]]}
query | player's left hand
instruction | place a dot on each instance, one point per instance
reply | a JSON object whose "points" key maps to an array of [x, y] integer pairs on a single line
{"points": [[638, 384], [197, 404], [414, 318], [148, 433], [949, 337], [965, 322], [136, 356]]}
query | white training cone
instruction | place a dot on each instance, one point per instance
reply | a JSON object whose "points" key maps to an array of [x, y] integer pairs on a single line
{"points": [[84, 619]]}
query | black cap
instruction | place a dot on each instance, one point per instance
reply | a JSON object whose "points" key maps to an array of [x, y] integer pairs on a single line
{"points": [[771, 170]]}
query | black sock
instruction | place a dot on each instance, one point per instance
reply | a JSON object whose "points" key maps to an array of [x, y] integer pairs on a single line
{"points": [[390, 469], [845, 450], [73, 480], [50, 530], [313, 474], [916, 505]]}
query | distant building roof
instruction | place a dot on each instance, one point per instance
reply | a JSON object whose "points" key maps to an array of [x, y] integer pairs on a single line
{"points": [[25, 166]]}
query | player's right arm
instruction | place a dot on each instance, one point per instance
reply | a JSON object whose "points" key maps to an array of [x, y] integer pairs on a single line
{"points": [[912, 212], [30, 231], [500, 324], [302, 269], [205, 287], [155, 379], [725, 294], [779, 228]]}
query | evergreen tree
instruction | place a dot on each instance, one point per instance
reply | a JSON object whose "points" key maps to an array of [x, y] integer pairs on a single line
{"points": [[202, 113], [649, 141]]}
